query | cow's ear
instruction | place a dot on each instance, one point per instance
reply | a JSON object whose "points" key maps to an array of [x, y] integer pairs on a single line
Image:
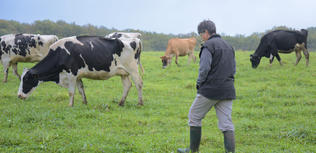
{"points": [[251, 55], [162, 57], [168, 57]]}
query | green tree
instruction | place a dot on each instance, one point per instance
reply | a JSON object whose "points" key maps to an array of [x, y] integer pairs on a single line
{"points": [[152, 41]]}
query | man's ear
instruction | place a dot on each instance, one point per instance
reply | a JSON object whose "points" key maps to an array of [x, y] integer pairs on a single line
{"points": [[207, 32]]}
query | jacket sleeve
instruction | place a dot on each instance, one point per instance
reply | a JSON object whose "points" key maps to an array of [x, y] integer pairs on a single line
{"points": [[205, 66]]}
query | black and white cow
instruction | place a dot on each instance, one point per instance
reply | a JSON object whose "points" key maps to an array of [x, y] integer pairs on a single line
{"points": [[16, 48], [281, 41], [73, 58]]}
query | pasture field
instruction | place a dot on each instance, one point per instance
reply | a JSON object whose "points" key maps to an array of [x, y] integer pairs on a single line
{"points": [[275, 111]]}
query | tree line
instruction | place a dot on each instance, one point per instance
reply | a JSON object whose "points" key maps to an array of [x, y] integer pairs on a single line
{"points": [[152, 41]]}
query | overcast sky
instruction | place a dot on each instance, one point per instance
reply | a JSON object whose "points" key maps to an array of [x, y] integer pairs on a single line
{"points": [[167, 16]]}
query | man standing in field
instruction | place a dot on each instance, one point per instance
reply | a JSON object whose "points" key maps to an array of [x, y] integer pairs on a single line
{"points": [[215, 87]]}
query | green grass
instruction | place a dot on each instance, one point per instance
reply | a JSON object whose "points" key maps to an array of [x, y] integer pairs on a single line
{"points": [[275, 111]]}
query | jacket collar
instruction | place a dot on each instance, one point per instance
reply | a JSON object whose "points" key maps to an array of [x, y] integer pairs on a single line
{"points": [[214, 36]]}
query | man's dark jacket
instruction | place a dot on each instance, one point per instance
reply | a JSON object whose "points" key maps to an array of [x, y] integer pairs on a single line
{"points": [[219, 84]]}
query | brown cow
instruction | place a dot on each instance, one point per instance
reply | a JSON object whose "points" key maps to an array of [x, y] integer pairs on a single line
{"points": [[179, 47]]}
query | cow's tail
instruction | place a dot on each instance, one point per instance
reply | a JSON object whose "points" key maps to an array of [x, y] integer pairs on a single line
{"points": [[141, 68], [138, 62]]}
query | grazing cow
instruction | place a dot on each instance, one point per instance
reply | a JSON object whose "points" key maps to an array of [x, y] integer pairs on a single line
{"points": [[179, 47], [16, 48], [282, 41], [73, 58]]}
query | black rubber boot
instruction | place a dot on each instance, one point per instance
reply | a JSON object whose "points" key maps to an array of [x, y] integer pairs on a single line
{"points": [[229, 141], [195, 139]]}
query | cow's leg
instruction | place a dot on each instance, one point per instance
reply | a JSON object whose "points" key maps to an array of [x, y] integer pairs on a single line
{"points": [[15, 70], [194, 58], [139, 85], [177, 59], [278, 58], [306, 56], [298, 57], [81, 91], [5, 71], [191, 57], [126, 86], [271, 59], [71, 91], [133, 71]]}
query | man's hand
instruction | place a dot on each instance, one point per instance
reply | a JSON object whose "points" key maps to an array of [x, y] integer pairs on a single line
{"points": [[197, 87]]}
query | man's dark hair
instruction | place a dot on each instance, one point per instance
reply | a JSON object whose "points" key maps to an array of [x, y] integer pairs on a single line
{"points": [[207, 25]]}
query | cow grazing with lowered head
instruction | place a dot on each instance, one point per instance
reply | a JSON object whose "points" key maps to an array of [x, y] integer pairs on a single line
{"points": [[281, 41], [16, 48], [73, 58], [179, 47]]}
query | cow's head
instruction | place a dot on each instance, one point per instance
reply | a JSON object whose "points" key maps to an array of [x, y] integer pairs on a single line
{"points": [[166, 60], [28, 83], [255, 60]]}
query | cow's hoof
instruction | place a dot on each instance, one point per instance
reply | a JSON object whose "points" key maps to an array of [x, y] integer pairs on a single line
{"points": [[121, 104], [140, 104]]}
